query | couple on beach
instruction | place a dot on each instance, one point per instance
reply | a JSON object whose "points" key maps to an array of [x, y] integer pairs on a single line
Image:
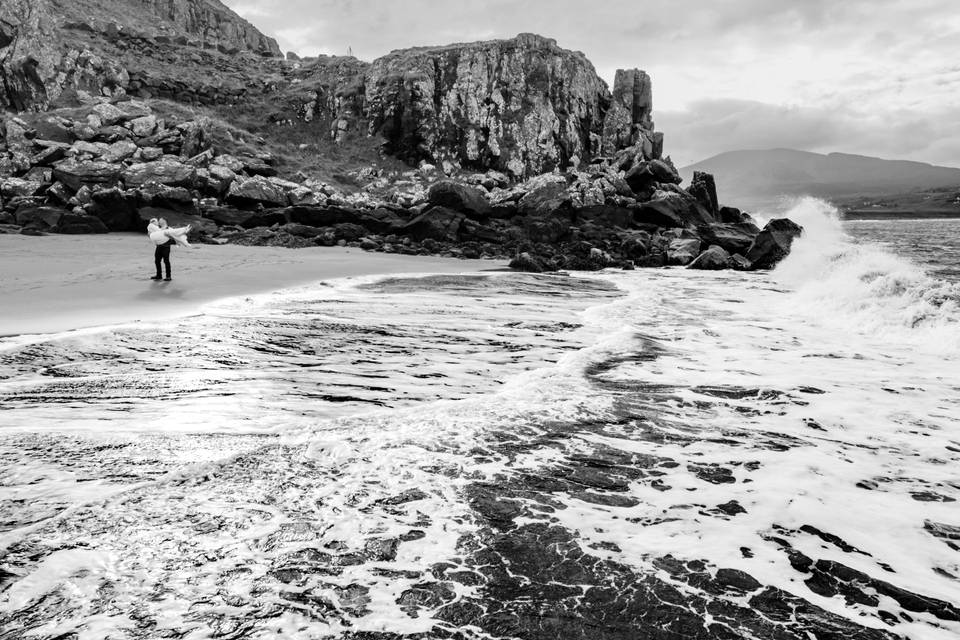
{"points": [[164, 237]]}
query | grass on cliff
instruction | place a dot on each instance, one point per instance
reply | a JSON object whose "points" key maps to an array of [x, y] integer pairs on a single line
{"points": [[299, 148]]}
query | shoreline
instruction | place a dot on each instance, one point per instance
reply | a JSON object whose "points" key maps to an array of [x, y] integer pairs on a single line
{"points": [[64, 283]]}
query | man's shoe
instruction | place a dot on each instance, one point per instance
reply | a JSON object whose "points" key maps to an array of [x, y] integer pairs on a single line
{"points": [[167, 279], [157, 278]]}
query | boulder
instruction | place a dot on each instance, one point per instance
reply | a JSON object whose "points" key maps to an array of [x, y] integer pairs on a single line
{"points": [[735, 238], [258, 190], [683, 251], [659, 213], [119, 151], [773, 243], [673, 209], [646, 175], [704, 188], [143, 127], [549, 198], [532, 263], [50, 152], [18, 187], [636, 246], [116, 209], [75, 223], [228, 216], [739, 263], [459, 197], [166, 197], [76, 174], [713, 259], [437, 223], [108, 114], [549, 230], [166, 171], [39, 218], [732, 215]]}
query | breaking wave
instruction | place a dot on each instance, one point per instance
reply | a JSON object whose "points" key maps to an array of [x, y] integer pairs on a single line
{"points": [[865, 286]]}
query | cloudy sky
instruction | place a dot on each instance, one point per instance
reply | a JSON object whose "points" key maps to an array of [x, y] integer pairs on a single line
{"points": [[877, 77]]}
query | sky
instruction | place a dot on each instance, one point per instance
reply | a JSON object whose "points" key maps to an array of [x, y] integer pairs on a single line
{"points": [[874, 77]]}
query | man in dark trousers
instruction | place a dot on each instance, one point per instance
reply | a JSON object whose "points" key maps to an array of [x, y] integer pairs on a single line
{"points": [[162, 251]]}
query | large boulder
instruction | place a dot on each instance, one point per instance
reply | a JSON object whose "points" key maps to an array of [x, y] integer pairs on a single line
{"points": [[116, 209], [229, 216], [713, 259], [459, 197], [547, 230], [532, 263], [773, 243], [39, 218], [19, 188], [548, 197], [258, 190], [646, 175], [673, 209], [75, 223], [735, 238], [75, 174], [704, 188], [166, 171], [437, 223], [683, 251]]}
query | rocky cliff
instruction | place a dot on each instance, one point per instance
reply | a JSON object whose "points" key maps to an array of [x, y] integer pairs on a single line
{"points": [[51, 48], [523, 105]]}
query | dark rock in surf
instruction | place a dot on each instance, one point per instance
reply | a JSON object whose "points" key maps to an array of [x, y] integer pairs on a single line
{"points": [[532, 263], [713, 259], [773, 243], [735, 238]]}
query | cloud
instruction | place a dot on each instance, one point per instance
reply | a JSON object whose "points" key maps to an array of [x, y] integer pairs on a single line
{"points": [[806, 74]]}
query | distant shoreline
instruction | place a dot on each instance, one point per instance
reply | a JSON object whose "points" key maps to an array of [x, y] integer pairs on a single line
{"points": [[900, 215]]}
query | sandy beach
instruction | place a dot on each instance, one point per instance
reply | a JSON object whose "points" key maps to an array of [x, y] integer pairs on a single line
{"points": [[59, 283]]}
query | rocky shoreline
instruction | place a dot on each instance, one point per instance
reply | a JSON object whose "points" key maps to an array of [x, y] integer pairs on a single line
{"points": [[115, 164], [510, 148]]}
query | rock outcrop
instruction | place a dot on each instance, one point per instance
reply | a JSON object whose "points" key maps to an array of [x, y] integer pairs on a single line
{"points": [[524, 106], [521, 151], [49, 49]]}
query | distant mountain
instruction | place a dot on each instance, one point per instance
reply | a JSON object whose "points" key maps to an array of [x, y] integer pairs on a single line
{"points": [[746, 177]]}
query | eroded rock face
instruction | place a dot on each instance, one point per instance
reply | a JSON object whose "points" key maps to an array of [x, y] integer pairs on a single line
{"points": [[523, 106], [49, 48]]}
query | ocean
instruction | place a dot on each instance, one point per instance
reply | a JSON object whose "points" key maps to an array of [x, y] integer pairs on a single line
{"points": [[657, 454]]}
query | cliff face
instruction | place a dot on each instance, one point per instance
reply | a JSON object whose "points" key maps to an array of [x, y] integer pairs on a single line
{"points": [[522, 106], [48, 47]]}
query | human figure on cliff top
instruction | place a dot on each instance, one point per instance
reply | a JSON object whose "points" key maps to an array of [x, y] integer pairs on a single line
{"points": [[165, 237]]}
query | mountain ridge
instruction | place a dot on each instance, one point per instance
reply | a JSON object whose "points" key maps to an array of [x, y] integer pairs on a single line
{"points": [[758, 173]]}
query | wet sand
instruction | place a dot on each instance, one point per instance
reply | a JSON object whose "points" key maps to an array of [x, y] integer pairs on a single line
{"points": [[59, 283]]}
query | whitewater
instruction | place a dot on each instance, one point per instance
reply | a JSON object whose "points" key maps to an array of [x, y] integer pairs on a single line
{"points": [[656, 454]]}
